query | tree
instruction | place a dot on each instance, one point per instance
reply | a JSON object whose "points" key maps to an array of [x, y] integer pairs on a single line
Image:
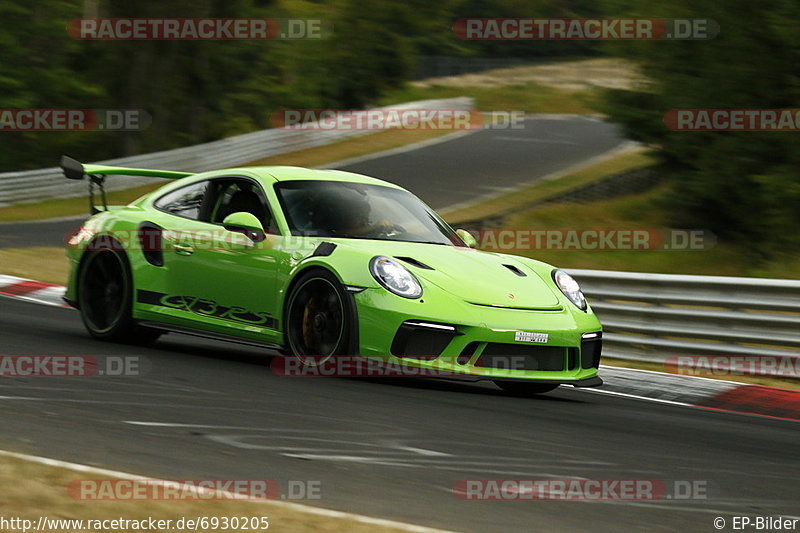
{"points": [[742, 186]]}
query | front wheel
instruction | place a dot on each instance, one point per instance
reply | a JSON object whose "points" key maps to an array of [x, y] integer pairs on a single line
{"points": [[105, 293], [318, 318], [520, 388]]}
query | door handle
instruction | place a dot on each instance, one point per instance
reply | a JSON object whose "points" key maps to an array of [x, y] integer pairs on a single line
{"points": [[183, 249]]}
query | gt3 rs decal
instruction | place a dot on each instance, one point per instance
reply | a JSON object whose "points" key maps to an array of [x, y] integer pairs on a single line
{"points": [[205, 307]]}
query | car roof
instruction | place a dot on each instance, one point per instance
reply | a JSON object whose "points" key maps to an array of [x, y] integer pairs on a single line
{"points": [[286, 173]]}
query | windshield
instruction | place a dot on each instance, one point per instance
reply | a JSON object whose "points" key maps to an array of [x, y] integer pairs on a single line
{"points": [[360, 211]]}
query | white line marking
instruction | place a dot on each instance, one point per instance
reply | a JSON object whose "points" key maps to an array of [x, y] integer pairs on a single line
{"points": [[31, 299], [5, 279], [422, 451], [682, 404], [286, 505], [636, 397], [642, 370], [171, 425], [383, 461], [246, 428], [18, 398]]}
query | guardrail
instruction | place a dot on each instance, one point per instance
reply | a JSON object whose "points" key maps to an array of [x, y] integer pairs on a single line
{"points": [[33, 185], [653, 317]]}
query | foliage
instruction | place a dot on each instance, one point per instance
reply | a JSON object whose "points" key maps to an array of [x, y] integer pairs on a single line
{"points": [[741, 185]]}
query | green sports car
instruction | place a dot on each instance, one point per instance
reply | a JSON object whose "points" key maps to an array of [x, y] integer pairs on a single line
{"points": [[320, 264]]}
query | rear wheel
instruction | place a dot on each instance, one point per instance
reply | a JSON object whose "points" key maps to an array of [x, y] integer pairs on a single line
{"points": [[520, 388], [317, 318], [105, 290]]}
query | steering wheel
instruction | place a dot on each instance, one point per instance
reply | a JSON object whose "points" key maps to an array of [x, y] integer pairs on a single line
{"points": [[389, 229]]}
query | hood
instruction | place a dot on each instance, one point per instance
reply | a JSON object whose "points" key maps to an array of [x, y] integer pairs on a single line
{"points": [[481, 278]]}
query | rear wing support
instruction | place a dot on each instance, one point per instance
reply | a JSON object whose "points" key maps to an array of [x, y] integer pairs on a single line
{"points": [[100, 181]]}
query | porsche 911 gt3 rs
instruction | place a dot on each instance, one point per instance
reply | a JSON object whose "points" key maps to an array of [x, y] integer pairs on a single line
{"points": [[322, 263]]}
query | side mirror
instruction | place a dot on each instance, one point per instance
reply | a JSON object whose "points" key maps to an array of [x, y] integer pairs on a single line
{"points": [[467, 237], [247, 223]]}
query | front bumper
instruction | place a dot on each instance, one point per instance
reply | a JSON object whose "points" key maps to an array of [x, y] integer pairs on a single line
{"points": [[478, 342]]}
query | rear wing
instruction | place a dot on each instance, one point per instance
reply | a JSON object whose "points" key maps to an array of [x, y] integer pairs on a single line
{"points": [[75, 170]]}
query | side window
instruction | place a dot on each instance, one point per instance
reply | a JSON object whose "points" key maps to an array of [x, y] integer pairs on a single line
{"points": [[184, 202], [234, 196]]}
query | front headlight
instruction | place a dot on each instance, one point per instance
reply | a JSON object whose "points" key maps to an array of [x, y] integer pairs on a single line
{"points": [[395, 277], [570, 288]]}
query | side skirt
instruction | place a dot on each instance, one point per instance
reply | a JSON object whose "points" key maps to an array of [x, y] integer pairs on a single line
{"points": [[208, 335]]}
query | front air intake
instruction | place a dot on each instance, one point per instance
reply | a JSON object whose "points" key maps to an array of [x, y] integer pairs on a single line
{"points": [[523, 357], [422, 339], [590, 351]]}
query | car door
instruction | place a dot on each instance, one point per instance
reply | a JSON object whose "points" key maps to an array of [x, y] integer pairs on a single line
{"points": [[221, 280], [181, 210]]}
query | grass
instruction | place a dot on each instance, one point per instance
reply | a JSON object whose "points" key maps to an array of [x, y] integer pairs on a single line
{"points": [[31, 490], [640, 211], [565, 86], [312, 157], [350, 148], [527, 97], [42, 263], [565, 73], [645, 211], [62, 207]]}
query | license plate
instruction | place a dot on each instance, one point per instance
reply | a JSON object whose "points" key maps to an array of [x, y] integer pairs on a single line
{"points": [[529, 336]]}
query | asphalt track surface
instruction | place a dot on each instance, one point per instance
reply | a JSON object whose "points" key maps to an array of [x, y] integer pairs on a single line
{"points": [[385, 448], [442, 174]]}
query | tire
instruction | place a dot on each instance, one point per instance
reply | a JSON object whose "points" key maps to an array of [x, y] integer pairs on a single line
{"points": [[520, 388], [318, 318], [105, 298]]}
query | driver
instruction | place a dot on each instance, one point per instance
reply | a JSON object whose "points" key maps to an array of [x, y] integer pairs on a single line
{"points": [[346, 212]]}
